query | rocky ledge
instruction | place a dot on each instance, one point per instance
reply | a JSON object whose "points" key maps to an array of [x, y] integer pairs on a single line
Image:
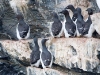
{"points": [[79, 54]]}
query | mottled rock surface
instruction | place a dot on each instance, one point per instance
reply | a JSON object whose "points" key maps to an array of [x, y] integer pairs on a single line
{"points": [[76, 53], [79, 53], [38, 71], [39, 14]]}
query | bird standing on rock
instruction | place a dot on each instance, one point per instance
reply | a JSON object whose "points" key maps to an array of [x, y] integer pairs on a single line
{"points": [[88, 28], [46, 57], [22, 29], [80, 23], [69, 27], [1, 23], [56, 28], [35, 55]]}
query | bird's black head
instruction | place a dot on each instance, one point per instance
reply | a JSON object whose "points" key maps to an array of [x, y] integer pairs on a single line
{"points": [[44, 40], [90, 11], [78, 10], [65, 12], [75, 15], [54, 14], [71, 7], [19, 17]]}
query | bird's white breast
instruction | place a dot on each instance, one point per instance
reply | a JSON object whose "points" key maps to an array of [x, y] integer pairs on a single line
{"points": [[98, 3]]}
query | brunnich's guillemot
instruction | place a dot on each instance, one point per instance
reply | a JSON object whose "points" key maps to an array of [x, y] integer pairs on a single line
{"points": [[72, 8], [1, 23], [80, 23], [88, 28], [56, 28], [35, 54], [46, 56], [69, 27], [22, 29]]}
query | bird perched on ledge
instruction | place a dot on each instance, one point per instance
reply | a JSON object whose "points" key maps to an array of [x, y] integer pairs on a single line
{"points": [[22, 29], [1, 23], [35, 55], [80, 23], [69, 27], [56, 28], [46, 57], [88, 28]]}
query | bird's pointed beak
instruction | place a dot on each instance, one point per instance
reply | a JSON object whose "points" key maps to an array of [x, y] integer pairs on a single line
{"points": [[86, 9], [60, 12], [66, 7], [46, 39]]}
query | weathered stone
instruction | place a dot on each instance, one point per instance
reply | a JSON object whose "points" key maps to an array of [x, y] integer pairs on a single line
{"points": [[38, 71], [18, 49], [7, 64], [84, 56], [96, 22], [68, 52]]}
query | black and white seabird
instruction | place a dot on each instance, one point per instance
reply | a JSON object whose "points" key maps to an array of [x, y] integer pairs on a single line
{"points": [[69, 27], [1, 23], [35, 55], [80, 23], [72, 8], [46, 57], [22, 29], [88, 28], [56, 28]]}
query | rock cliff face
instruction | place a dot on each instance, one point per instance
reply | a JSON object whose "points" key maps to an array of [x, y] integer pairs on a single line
{"points": [[72, 53], [78, 54], [39, 14]]}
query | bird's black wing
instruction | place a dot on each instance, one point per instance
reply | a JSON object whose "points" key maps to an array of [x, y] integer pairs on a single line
{"points": [[80, 26], [70, 27], [56, 28], [87, 26], [46, 58], [23, 29], [34, 57]]}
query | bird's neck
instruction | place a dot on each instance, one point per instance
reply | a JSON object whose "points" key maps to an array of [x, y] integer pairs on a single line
{"points": [[79, 16], [72, 9], [44, 48], [67, 17], [55, 18], [21, 21], [36, 46], [89, 19]]}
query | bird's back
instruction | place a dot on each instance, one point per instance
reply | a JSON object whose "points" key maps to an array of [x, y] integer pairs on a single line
{"points": [[23, 29], [56, 27], [35, 56], [46, 58]]}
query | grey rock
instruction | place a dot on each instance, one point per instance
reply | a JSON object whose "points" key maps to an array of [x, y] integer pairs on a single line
{"points": [[38, 71]]}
